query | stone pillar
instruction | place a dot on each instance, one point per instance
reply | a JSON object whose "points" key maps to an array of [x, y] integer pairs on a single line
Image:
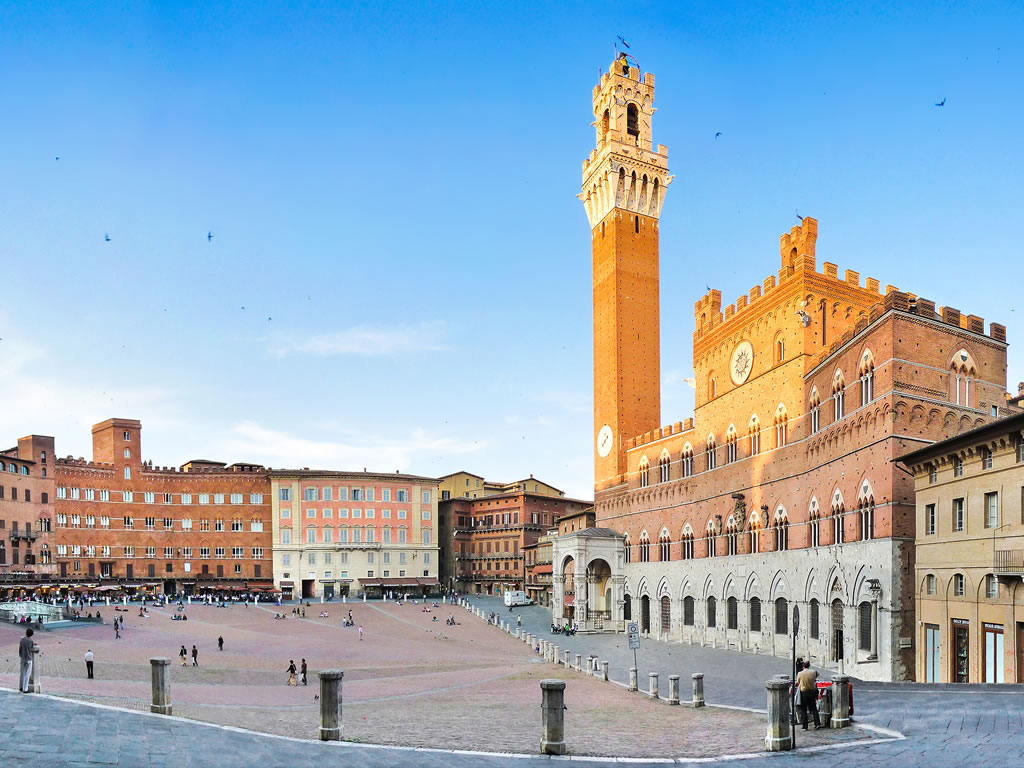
{"points": [[552, 717], [566, 660], [33, 675], [673, 689], [604, 671], [579, 662], [556, 654], [330, 704], [160, 666], [632, 680], [780, 734], [590, 666], [652, 690], [519, 633], [840, 701], [698, 689]]}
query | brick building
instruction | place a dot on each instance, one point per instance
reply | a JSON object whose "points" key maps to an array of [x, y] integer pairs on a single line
{"points": [[969, 569], [487, 534], [121, 521], [349, 533], [780, 491], [26, 513]]}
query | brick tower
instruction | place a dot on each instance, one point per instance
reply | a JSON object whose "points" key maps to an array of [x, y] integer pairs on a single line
{"points": [[624, 182]]}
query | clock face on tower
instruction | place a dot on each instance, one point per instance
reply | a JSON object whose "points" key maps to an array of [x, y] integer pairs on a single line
{"points": [[741, 363], [605, 439]]}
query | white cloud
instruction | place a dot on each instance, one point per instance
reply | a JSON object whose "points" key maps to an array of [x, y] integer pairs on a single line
{"points": [[368, 341], [275, 448]]}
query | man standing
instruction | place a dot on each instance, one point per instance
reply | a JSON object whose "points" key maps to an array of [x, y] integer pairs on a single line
{"points": [[220, 643], [302, 671], [25, 648], [807, 681], [88, 663], [195, 657], [360, 632], [183, 654]]}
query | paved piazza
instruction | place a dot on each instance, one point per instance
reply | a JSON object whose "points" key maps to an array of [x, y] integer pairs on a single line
{"points": [[415, 683]]}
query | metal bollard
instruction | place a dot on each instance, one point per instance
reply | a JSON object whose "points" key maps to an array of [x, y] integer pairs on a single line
{"points": [[330, 704], [780, 731], [652, 689], [33, 673], [632, 680], [160, 666], [673, 689], [604, 671], [840, 701], [579, 662], [698, 689], [552, 717]]}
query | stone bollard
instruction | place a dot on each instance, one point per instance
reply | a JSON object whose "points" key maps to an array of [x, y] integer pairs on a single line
{"points": [[552, 717], [556, 654], [590, 666], [632, 680], [160, 667], [579, 662], [673, 689], [519, 633], [780, 734], [652, 688], [604, 671], [840, 701], [33, 674], [698, 689], [566, 661], [330, 704]]}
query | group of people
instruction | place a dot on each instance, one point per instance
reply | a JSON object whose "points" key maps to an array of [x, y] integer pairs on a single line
{"points": [[292, 671]]}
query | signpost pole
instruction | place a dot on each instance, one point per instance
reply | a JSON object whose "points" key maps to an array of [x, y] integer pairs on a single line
{"points": [[792, 703], [633, 632]]}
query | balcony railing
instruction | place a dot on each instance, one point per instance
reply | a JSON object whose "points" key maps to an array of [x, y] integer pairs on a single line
{"points": [[27, 535], [1008, 562]]}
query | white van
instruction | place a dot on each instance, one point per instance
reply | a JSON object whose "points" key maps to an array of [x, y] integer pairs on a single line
{"points": [[517, 597]]}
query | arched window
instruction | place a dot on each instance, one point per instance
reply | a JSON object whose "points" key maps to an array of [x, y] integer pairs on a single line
{"points": [[687, 545], [813, 623], [712, 612], [710, 535], [732, 613], [781, 616], [688, 611], [754, 429], [866, 507], [962, 372], [732, 537], [633, 120], [780, 349], [781, 420], [781, 531], [755, 614], [814, 516], [730, 445], [755, 534], [711, 451], [687, 460], [712, 388], [864, 628], [815, 411], [645, 548], [867, 378], [645, 472], [664, 546], [663, 467], [838, 395], [838, 515], [605, 123], [627, 608], [627, 555], [958, 585]]}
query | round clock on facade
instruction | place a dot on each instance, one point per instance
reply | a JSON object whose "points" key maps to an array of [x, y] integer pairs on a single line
{"points": [[604, 441], [742, 361]]}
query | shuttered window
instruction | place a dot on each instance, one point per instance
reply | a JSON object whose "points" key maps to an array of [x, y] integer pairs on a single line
{"points": [[688, 611], [814, 619], [666, 613], [781, 615], [755, 614], [733, 618], [864, 628], [712, 611]]}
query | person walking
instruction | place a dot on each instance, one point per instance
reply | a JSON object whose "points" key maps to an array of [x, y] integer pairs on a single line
{"points": [[360, 632], [88, 663], [25, 648], [807, 692], [302, 671], [291, 672], [195, 657], [117, 631], [183, 653], [220, 643]]}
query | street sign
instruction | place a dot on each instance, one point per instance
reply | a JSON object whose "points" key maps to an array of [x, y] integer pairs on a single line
{"points": [[633, 630], [796, 619]]}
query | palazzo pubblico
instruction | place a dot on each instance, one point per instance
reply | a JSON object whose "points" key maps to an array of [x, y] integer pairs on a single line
{"points": [[781, 491]]}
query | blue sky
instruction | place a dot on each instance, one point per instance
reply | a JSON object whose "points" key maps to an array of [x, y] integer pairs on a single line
{"points": [[395, 187]]}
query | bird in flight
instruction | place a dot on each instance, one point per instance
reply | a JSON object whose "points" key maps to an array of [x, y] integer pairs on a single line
{"points": [[719, 133], [797, 212], [243, 308], [57, 158], [269, 319], [209, 236], [941, 103], [106, 237]]}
